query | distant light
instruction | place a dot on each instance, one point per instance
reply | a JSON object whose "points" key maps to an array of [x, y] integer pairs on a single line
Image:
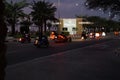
{"points": [[100, 9], [76, 4], [97, 34], [103, 34], [86, 23], [86, 4], [92, 9]]}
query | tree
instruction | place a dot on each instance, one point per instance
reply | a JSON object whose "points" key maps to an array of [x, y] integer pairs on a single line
{"points": [[25, 23], [101, 23], [13, 11], [42, 11], [3, 31], [25, 26], [112, 6], [49, 25]]}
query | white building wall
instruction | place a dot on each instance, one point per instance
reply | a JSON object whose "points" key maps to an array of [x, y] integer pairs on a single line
{"points": [[69, 24]]}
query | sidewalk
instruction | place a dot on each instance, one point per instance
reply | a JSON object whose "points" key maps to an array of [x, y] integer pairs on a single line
{"points": [[88, 63]]}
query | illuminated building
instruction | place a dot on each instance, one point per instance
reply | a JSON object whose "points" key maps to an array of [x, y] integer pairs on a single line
{"points": [[72, 25]]}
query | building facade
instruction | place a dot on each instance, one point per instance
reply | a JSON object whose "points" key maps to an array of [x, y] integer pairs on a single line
{"points": [[71, 25]]}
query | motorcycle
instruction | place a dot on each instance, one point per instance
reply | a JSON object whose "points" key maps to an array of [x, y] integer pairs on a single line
{"points": [[43, 42], [24, 39]]}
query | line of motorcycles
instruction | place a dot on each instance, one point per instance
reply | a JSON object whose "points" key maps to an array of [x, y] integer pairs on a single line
{"points": [[39, 41], [42, 40]]}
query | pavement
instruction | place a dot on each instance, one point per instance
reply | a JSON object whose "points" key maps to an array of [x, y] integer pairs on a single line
{"points": [[88, 63], [75, 64]]}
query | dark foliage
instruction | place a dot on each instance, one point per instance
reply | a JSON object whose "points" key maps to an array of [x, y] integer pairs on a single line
{"points": [[3, 31], [112, 6]]}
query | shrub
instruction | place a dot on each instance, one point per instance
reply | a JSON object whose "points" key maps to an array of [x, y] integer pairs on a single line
{"points": [[66, 33]]}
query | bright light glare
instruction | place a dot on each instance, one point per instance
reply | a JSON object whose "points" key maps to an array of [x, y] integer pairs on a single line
{"points": [[97, 34], [69, 24], [76, 4], [103, 34]]}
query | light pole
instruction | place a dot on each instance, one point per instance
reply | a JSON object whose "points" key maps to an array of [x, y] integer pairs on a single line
{"points": [[58, 3]]}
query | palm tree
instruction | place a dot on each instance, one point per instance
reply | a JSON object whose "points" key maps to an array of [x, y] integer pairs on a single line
{"points": [[49, 26], [25, 23], [13, 12], [42, 11], [25, 26], [3, 31]]}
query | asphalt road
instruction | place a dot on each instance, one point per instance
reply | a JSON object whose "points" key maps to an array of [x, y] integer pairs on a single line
{"points": [[90, 60], [17, 52]]}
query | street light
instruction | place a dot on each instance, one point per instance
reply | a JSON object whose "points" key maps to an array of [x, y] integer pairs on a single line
{"points": [[58, 13], [58, 8]]}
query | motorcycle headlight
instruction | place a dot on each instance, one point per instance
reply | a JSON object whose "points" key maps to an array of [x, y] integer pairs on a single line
{"points": [[36, 41], [20, 39], [55, 37]]}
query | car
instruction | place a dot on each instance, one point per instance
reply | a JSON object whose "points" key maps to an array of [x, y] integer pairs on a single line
{"points": [[62, 38]]}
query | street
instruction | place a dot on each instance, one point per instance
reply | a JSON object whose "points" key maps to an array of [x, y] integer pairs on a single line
{"points": [[18, 52], [92, 62]]}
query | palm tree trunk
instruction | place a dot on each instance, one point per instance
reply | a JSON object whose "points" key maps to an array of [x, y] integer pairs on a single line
{"points": [[3, 31], [40, 30], [13, 29], [13, 25], [45, 26]]}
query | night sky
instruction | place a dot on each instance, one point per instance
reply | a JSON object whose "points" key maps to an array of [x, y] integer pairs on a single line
{"points": [[70, 8]]}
